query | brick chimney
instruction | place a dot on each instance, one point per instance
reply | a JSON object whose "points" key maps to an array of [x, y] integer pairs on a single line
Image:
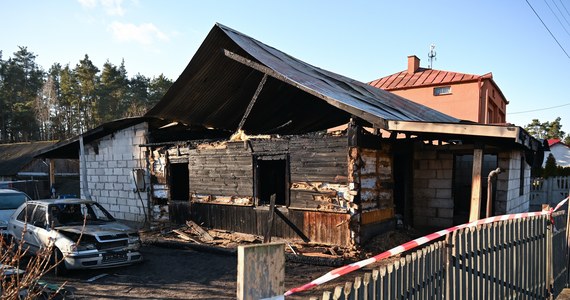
{"points": [[413, 64]]}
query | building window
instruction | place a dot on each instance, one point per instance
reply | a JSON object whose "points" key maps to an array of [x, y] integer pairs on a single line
{"points": [[442, 90], [271, 177]]}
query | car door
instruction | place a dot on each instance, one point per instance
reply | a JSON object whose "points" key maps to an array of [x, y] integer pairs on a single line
{"points": [[20, 224], [37, 236]]}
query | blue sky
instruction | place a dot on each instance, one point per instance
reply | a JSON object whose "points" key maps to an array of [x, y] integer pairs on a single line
{"points": [[363, 40]]}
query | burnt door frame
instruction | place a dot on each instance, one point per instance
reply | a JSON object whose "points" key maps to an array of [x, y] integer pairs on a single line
{"points": [[260, 174]]}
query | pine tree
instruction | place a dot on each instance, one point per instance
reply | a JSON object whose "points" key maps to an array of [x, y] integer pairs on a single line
{"points": [[550, 169]]}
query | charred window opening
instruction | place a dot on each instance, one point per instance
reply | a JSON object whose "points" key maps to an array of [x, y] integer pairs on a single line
{"points": [[179, 182], [272, 177]]}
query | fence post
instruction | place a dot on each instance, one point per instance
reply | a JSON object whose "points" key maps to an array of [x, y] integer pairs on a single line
{"points": [[568, 242], [448, 264], [261, 271], [549, 267]]}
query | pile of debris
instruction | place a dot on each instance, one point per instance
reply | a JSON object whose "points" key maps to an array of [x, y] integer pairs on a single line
{"points": [[192, 235]]}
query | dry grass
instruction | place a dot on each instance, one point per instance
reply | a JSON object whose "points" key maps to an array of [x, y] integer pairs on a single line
{"points": [[21, 272]]}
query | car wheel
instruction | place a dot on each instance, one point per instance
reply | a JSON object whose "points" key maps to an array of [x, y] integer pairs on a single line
{"points": [[57, 263]]}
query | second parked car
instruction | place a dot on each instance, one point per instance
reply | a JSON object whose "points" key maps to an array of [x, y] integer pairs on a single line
{"points": [[102, 242], [10, 200]]}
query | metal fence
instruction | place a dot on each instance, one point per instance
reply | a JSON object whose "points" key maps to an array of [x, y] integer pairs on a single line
{"points": [[517, 259], [543, 189]]}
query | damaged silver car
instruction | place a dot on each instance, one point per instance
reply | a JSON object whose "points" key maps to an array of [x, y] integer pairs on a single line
{"points": [[102, 242]]}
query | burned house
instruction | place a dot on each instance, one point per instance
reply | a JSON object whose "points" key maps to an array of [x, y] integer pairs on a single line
{"points": [[395, 160], [244, 141]]}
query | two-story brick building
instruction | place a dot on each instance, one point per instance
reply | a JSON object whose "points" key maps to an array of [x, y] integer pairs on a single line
{"points": [[470, 97]]}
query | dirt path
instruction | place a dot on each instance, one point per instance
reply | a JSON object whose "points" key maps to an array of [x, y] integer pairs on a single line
{"points": [[179, 274]]}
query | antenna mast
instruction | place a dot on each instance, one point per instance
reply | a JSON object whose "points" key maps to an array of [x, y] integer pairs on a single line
{"points": [[431, 55]]}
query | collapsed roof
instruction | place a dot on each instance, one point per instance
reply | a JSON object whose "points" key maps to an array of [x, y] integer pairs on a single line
{"points": [[218, 85]]}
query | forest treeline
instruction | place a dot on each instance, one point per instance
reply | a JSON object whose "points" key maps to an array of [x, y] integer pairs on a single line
{"points": [[64, 101]]}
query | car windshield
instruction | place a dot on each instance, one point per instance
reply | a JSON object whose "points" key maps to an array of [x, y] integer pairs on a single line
{"points": [[12, 201], [66, 214]]}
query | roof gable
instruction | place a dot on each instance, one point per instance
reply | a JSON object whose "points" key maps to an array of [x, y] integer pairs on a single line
{"points": [[215, 90]]}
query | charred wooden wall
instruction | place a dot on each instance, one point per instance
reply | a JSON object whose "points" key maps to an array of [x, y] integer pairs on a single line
{"points": [[319, 172], [319, 227], [224, 170], [221, 179]]}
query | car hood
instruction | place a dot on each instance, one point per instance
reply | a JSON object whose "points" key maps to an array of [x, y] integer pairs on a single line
{"points": [[100, 230], [5, 215]]}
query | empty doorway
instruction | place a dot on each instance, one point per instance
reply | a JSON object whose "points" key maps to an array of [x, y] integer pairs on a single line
{"points": [[179, 182], [272, 177]]}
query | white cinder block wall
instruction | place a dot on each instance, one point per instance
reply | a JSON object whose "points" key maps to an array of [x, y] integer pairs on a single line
{"points": [[110, 163], [433, 202], [509, 199], [433, 179]]}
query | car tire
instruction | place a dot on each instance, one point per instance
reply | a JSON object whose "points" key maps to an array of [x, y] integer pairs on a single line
{"points": [[58, 264]]}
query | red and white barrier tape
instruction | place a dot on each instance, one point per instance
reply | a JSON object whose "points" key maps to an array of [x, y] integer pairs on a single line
{"points": [[413, 244]]}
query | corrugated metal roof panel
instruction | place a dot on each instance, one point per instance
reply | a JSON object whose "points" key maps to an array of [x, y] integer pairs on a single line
{"points": [[215, 90], [14, 157]]}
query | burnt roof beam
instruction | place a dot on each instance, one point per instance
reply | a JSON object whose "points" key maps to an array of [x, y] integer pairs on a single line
{"points": [[252, 102], [373, 119]]}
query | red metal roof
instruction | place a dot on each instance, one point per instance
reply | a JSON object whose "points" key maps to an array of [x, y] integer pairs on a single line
{"points": [[423, 77], [553, 141]]}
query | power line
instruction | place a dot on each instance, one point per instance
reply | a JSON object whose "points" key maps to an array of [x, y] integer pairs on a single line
{"points": [[547, 29], [538, 109], [560, 11], [556, 16], [564, 7]]}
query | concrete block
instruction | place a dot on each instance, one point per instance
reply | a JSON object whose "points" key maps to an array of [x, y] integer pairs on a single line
{"points": [[424, 193], [134, 209], [99, 172], [122, 179], [124, 194], [425, 154], [441, 203], [440, 184], [112, 164], [443, 193], [421, 183], [435, 164], [113, 193], [108, 186], [121, 164], [444, 174], [440, 222], [118, 186], [425, 174], [446, 213], [112, 179], [428, 212], [133, 202], [129, 216], [122, 201], [124, 208]]}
